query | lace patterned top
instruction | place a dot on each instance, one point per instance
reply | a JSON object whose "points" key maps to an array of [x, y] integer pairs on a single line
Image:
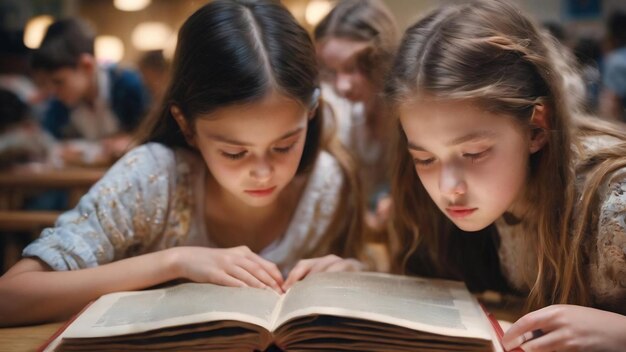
{"points": [[153, 199], [606, 267]]}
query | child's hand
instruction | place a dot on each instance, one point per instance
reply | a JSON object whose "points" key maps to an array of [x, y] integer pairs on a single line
{"points": [[327, 263], [567, 328], [237, 266]]}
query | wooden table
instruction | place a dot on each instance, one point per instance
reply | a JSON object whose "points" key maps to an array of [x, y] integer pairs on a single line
{"points": [[27, 338], [50, 177], [15, 183]]}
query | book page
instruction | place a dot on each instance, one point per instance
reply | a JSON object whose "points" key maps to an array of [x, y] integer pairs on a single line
{"points": [[435, 306], [139, 311]]}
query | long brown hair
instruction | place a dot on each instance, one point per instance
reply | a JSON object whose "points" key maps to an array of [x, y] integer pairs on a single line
{"points": [[490, 53], [366, 21], [237, 52]]}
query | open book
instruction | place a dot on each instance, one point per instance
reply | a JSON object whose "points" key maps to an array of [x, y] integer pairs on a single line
{"points": [[327, 311]]}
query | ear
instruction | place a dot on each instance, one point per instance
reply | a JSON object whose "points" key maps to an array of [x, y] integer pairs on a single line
{"points": [[87, 62], [539, 128], [183, 125]]}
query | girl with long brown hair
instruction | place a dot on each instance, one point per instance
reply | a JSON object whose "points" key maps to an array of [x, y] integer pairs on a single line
{"points": [[355, 45], [499, 181], [235, 182]]}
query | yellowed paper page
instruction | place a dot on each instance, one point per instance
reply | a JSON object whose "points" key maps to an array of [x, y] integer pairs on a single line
{"points": [[133, 312], [435, 306]]}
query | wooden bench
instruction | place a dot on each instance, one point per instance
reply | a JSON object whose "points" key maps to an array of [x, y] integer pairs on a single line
{"points": [[19, 226], [16, 184], [26, 221]]}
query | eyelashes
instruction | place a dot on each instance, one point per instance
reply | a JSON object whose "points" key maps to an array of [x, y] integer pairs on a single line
{"points": [[476, 156], [242, 154], [235, 156], [424, 162], [284, 150], [473, 157]]}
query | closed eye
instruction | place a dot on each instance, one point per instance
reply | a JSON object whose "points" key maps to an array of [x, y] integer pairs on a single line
{"points": [[423, 162], [284, 150], [235, 156], [476, 156]]}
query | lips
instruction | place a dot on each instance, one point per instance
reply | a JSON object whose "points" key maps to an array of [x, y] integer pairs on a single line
{"points": [[460, 211], [261, 192]]}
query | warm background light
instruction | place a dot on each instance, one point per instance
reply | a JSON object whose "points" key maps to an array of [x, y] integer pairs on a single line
{"points": [[35, 30], [109, 48], [151, 36], [316, 10], [131, 5], [170, 46]]}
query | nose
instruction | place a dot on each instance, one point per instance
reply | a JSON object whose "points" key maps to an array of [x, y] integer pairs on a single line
{"points": [[452, 183], [262, 171], [343, 84]]}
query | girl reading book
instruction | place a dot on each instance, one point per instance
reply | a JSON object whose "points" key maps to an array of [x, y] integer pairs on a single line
{"points": [[499, 180], [234, 183]]}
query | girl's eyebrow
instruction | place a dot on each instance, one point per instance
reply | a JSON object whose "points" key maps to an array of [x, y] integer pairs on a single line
{"points": [[228, 140], [471, 137], [456, 141], [416, 147]]}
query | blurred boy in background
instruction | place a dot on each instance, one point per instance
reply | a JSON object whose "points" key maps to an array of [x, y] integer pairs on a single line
{"points": [[155, 72], [613, 95], [94, 102]]}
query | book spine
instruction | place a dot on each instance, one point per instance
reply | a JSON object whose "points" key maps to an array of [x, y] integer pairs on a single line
{"points": [[498, 329], [44, 346]]}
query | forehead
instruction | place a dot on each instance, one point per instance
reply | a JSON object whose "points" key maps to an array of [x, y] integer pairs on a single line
{"points": [[429, 120], [338, 50], [268, 118], [58, 73]]}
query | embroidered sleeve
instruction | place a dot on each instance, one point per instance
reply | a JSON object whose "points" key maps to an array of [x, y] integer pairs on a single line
{"points": [[124, 211], [608, 270]]}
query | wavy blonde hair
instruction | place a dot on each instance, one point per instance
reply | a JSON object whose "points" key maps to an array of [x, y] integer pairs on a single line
{"points": [[491, 53]]}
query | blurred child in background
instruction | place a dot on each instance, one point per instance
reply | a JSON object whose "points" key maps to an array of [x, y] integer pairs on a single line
{"points": [[613, 94], [355, 43], [155, 72], [22, 140], [92, 101]]}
